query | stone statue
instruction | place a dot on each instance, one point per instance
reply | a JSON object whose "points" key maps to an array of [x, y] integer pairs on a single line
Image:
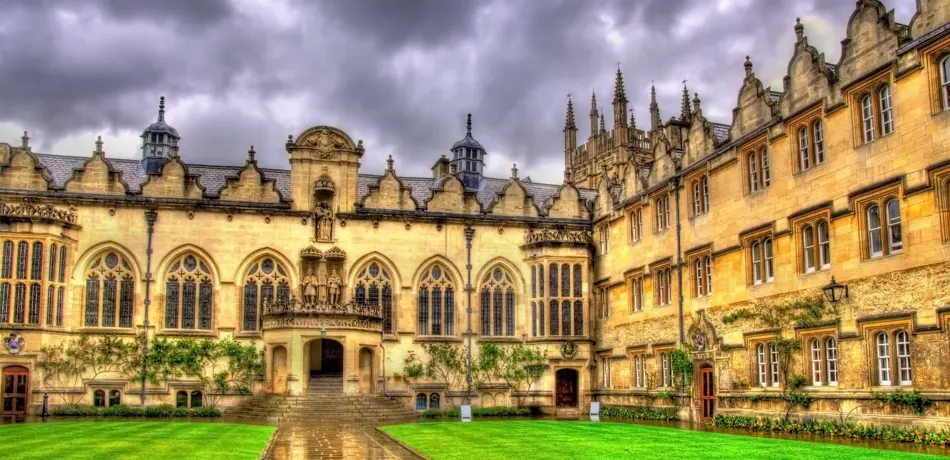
{"points": [[323, 218], [310, 287], [335, 282], [322, 286]]}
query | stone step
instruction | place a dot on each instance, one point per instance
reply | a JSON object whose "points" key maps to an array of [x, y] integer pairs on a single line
{"points": [[338, 409]]}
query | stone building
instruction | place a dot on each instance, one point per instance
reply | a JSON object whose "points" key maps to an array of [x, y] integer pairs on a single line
{"points": [[656, 235]]}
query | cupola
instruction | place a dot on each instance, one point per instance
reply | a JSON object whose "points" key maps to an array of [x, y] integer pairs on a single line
{"points": [[159, 142], [468, 157]]}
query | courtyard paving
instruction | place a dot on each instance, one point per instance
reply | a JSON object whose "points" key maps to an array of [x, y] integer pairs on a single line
{"points": [[329, 440]]}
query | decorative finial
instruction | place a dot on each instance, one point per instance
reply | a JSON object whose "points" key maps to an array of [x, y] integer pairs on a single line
{"points": [[603, 125], [250, 154], [468, 125], [620, 94], [799, 29], [569, 122], [568, 176], [359, 146], [696, 102], [748, 67], [514, 171], [175, 151], [161, 108], [633, 119], [290, 138], [686, 110], [99, 144], [25, 141], [389, 163]]}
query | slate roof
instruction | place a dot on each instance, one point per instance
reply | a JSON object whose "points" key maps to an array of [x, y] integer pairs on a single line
{"points": [[213, 177], [721, 131]]}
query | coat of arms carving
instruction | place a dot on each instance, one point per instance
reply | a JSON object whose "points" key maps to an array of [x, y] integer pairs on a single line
{"points": [[15, 343], [324, 143]]}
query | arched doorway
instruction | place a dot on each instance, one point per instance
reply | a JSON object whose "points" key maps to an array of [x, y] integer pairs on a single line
{"points": [[366, 370], [566, 388], [279, 369], [707, 393], [325, 366], [16, 390]]}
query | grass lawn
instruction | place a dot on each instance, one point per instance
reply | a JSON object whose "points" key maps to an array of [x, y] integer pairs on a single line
{"points": [[132, 440], [545, 440]]}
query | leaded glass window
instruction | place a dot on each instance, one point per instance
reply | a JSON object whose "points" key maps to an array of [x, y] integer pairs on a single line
{"points": [[498, 302], [110, 292], [374, 288], [436, 302], [184, 302], [266, 282]]}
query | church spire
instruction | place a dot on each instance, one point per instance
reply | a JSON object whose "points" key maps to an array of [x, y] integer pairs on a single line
{"points": [[686, 109], [603, 125], [620, 100], [570, 129], [655, 120], [593, 113]]}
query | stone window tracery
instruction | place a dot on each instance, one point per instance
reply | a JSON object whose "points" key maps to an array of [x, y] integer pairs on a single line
{"points": [[497, 302], [25, 293], [561, 312], [374, 287], [110, 292], [437, 302], [267, 281], [189, 294]]}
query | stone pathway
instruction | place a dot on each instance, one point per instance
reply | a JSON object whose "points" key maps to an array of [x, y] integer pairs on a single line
{"points": [[329, 440]]}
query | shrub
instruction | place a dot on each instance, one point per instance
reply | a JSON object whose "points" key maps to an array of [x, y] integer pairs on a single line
{"points": [[122, 410], [496, 411], [836, 429], [432, 413], [206, 412], [640, 413]]}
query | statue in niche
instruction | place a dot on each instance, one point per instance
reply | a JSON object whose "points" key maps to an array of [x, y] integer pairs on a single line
{"points": [[323, 219], [335, 283], [310, 287], [322, 286]]}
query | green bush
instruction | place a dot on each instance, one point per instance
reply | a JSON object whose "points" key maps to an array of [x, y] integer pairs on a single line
{"points": [[432, 413], [122, 410], [836, 430], [640, 413], [497, 411]]}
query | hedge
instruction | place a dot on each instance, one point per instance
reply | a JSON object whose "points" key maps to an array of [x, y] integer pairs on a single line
{"points": [[497, 411], [640, 413], [121, 410], [836, 429]]}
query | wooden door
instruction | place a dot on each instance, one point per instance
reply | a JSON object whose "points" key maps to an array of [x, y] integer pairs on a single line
{"points": [[16, 380], [707, 393], [566, 388]]}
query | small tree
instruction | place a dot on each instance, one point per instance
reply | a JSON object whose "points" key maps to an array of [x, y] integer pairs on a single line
{"points": [[786, 316], [486, 365], [74, 363], [446, 364], [521, 367]]}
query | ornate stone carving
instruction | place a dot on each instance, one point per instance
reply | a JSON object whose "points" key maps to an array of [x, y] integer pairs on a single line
{"points": [[14, 343], [323, 222], [311, 251], [558, 236], [38, 211], [324, 142], [318, 323], [335, 253], [322, 277]]}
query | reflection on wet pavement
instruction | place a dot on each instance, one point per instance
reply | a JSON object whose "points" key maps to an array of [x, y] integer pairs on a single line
{"points": [[333, 441]]}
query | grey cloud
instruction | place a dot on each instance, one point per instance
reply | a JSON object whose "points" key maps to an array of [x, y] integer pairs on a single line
{"points": [[510, 63]]}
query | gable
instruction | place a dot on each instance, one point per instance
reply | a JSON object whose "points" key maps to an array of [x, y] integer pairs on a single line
{"points": [[871, 42], [389, 193], [250, 185], [567, 204], [514, 200], [452, 197], [23, 172], [173, 181], [97, 176]]}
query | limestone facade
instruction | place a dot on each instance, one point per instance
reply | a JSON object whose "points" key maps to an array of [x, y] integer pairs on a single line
{"points": [[844, 171]]}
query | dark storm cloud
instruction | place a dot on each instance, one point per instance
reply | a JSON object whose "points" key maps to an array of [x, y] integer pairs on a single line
{"points": [[401, 75]]}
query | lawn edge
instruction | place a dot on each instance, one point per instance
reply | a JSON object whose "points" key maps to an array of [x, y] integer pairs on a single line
{"points": [[270, 444], [404, 446]]}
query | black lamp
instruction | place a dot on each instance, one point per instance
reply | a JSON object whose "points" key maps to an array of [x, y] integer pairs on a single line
{"points": [[834, 291]]}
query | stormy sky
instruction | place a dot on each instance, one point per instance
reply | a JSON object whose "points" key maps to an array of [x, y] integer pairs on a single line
{"points": [[401, 75]]}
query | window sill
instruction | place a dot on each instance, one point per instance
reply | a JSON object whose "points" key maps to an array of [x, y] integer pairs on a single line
{"points": [[438, 338], [498, 338], [883, 256], [186, 333], [106, 330], [815, 272], [248, 334]]}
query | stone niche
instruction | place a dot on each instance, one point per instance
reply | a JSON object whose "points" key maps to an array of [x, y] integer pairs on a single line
{"points": [[323, 277]]}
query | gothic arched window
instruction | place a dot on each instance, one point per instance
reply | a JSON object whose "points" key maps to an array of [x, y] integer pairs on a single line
{"points": [[189, 294], [374, 287], [436, 302], [265, 279], [110, 290], [497, 303]]}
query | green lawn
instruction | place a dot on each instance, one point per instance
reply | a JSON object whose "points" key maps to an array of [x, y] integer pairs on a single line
{"points": [[132, 440], [545, 440]]}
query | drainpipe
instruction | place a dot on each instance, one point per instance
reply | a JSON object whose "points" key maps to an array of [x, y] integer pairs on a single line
{"points": [[679, 255], [150, 217], [469, 234], [383, 348]]}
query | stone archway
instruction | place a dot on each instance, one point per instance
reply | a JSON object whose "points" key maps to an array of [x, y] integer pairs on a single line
{"points": [[279, 369], [366, 370], [324, 366]]}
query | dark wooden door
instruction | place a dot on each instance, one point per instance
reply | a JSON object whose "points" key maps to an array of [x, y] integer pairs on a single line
{"points": [[566, 388], [332, 357], [15, 390], [707, 393]]}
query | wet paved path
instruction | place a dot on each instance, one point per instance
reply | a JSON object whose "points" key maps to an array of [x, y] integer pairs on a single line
{"points": [[332, 441]]}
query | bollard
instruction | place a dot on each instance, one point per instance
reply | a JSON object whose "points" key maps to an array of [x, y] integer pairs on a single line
{"points": [[45, 405]]}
